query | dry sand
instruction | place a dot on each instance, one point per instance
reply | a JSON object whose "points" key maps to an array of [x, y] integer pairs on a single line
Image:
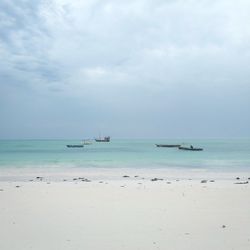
{"points": [[126, 213]]}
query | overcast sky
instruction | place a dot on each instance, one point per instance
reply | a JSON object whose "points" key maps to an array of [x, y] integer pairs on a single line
{"points": [[129, 69]]}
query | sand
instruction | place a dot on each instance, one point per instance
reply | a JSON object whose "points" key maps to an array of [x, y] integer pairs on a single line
{"points": [[124, 213]]}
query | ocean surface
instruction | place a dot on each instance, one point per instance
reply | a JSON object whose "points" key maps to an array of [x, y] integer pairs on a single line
{"points": [[223, 155]]}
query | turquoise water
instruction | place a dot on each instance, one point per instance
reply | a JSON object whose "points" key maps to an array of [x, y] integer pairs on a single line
{"points": [[217, 154]]}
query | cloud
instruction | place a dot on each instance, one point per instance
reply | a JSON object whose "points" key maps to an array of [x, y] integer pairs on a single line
{"points": [[126, 58], [63, 37]]}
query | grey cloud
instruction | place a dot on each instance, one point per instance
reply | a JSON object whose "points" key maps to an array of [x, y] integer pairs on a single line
{"points": [[24, 39], [156, 64]]}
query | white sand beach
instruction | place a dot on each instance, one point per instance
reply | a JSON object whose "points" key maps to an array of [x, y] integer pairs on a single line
{"points": [[124, 125], [129, 213]]}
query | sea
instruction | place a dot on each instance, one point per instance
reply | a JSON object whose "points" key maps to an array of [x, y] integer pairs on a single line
{"points": [[218, 154]]}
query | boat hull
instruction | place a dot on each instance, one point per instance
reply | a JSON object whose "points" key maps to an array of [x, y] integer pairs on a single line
{"points": [[167, 145], [190, 149], [105, 139], [75, 146]]}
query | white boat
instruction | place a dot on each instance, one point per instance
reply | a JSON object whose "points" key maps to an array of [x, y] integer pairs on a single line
{"points": [[86, 142]]}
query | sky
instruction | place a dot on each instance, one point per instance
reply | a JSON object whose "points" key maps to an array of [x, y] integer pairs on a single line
{"points": [[128, 69]]}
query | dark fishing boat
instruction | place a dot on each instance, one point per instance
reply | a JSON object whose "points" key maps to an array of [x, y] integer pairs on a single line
{"points": [[75, 146], [191, 148], [104, 139], [168, 145]]}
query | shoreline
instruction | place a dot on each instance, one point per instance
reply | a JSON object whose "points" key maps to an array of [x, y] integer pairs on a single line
{"points": [[98, 174]]}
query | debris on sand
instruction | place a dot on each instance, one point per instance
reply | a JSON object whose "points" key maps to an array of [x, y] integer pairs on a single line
{"points": [[80, 179], [39, 178], [223, 226], [156, 179], [17, 186], [204, 181], [86, 180], [243, 182], [237, 178]]}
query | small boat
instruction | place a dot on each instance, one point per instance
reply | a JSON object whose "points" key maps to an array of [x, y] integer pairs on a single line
{"points": [[104, 139], [75, 146], [87, 142], [168, 145], [190, 148]]}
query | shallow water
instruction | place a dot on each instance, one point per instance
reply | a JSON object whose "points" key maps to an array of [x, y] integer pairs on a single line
{"points": [[218, 154]]}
